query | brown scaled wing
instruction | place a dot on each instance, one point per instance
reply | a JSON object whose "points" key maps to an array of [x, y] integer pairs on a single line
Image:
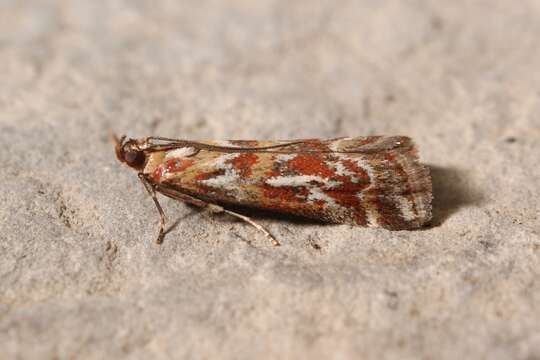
{"points": [[367, 181]]}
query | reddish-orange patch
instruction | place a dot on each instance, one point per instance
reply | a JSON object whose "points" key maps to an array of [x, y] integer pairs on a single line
{"points": [[274, 171], [176, 165], [171, 166], [209, 174], [243, 163], [319, 203], [203, 176], [309, 165], [346, 195], [156, 175], [349, 200], [283, 195], [313, 143], [353, 166]]}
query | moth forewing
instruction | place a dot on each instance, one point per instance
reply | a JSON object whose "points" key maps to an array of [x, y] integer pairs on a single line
{"points": [[367, 181]]}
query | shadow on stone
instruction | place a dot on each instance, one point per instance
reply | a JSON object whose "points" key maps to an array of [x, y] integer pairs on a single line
{"points": [[256, 213], [171, 226], [451, 191]]}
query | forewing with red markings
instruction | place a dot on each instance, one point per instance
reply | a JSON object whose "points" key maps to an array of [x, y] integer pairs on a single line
{"points": [[368, 181]]}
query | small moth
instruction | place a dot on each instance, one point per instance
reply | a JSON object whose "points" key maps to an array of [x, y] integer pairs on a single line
{"points": [[374, 181]]}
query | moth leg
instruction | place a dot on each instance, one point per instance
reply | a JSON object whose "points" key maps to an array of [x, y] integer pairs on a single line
{"points": [[249, 221], [151, 190], [212, 208]]}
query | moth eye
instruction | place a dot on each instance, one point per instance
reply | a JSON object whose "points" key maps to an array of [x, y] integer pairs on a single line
{"points": [[134, 158]]}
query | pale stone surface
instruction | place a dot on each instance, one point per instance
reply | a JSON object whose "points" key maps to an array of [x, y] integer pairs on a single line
{"points": [[80, 276]]}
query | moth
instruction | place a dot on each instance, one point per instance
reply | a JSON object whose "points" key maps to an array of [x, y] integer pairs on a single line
{"points": [[374, 181]]}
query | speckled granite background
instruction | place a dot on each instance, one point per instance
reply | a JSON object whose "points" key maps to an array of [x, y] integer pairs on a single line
{"points": [[80, 276]]}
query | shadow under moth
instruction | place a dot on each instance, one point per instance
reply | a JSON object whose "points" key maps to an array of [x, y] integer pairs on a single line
{"points": [[374, 181]]}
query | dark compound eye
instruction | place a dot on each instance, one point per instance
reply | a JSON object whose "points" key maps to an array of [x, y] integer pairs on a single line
{"points": [[134, 158]]}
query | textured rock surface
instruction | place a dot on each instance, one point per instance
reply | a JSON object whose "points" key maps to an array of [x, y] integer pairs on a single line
{"points": [[80, 276]]}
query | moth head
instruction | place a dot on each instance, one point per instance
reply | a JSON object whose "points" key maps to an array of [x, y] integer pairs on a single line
{"points": [[130, 152]]}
